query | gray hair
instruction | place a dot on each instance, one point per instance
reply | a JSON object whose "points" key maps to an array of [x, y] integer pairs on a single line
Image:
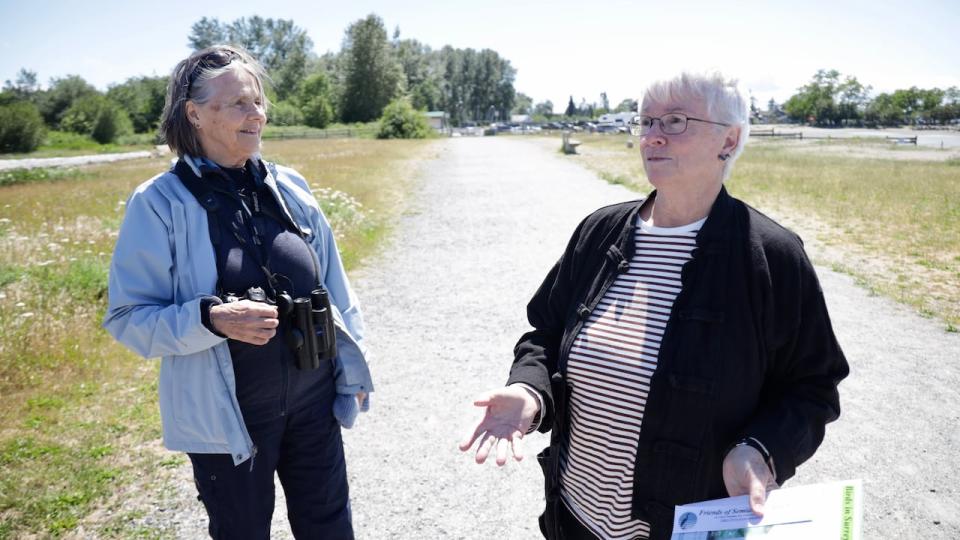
{"points": [[722, 97], [188, 82]]}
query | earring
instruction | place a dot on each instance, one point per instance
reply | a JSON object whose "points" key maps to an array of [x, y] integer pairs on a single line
{"points": [[723, 157]]}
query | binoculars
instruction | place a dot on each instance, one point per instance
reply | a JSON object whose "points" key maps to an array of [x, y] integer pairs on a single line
{"points": [[310, 331]]}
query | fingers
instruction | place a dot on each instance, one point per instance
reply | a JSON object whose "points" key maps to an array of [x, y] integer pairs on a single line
{"points": [[257, 309], [758, 496], [516, 443], [483, 449], [503, 449], [251, 322], [483, 400], [467, 441]]}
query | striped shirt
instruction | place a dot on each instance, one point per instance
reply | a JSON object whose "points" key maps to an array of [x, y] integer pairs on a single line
{"points": [[609, 369]]}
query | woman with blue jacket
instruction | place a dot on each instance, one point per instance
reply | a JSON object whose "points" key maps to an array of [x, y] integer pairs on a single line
{"points": [[211, 260]]}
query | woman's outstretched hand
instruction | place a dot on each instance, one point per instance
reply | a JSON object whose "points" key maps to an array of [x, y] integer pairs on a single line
{"points": [[507, 416]]}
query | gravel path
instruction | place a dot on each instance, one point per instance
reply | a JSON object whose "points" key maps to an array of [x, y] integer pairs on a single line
{"points": [[30, 163], [445, 303]]}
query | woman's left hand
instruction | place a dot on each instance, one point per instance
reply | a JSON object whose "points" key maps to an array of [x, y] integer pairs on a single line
{"points": [[745, 473]]}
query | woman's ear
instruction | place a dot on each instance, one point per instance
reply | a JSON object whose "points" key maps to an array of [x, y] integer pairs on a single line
{"points": [[731, 140], [193, 115]]}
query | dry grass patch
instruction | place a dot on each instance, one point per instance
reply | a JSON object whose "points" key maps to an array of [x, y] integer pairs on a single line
{"points": [[79, 421], [893, 224]]}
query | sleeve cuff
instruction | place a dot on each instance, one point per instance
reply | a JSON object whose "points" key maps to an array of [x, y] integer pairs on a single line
{"points": [[535, 425], [206, 303]]}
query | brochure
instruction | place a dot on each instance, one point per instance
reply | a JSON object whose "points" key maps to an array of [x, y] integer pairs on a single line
{"points": [[830, 511]]}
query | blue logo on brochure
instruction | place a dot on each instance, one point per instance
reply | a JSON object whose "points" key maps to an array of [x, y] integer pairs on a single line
{"points": [[687, 520]]}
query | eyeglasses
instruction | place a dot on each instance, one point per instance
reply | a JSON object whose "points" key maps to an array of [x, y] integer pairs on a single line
{"points": [[670, 124]]}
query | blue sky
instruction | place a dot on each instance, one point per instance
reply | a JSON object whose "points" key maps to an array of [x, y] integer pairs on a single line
{"points": [[560, 48]]}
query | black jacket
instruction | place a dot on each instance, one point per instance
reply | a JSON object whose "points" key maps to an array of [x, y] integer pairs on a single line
{"points": [[748, 351]]}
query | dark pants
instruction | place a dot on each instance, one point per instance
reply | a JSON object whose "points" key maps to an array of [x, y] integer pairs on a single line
{"points": [[304, 448]]}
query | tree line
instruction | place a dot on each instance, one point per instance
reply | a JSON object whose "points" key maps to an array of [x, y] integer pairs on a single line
{"points": [[355, 84], [831, 99]]}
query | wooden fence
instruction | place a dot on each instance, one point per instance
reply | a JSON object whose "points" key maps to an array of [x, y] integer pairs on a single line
{"points": [[771, 132], [341, 133]]}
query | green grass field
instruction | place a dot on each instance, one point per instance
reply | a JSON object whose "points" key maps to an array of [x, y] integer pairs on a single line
{"points": [[79, 419], [892, 223]]}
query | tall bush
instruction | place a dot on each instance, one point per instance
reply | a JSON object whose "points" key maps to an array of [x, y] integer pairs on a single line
{"points": [[285, 114], [21, 127], [314, 95], [401, 121], [98, 117]]}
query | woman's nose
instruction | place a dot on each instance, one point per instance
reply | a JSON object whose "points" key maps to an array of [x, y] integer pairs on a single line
{"points": [[257, 112], [653, 138]]}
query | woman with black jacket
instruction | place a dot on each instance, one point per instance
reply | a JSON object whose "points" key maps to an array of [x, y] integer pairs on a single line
{"points": [[681, 348]]}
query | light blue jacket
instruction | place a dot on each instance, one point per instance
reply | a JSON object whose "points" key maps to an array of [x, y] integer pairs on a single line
{"points": [[164, 263]]}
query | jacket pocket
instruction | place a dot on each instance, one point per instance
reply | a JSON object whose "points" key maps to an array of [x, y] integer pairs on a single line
{"points": [[548, 520], [702, 315], [199, 403], [665, 475], [693, 384]]}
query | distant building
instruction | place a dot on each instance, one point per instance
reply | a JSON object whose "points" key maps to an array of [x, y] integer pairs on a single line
{"points": [[520, 119], [438, 120]]}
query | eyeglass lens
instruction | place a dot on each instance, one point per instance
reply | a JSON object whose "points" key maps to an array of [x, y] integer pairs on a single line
{"points": [[671, 124]]}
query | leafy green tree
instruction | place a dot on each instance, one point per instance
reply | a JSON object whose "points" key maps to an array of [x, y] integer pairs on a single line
{"points": [[401, 121], [627, 105], [284, 113], [930, 100], [523, 104], [883, 111], [372, 76], [142, 98], [852, 99], [21, 127], [544, 108], [314, 98], [54, 102], [571, 108], [427, 95], [98, 117], [816, 102], [24, 87], [908, 101], [281, 46], [949, 108], [421, 71]]}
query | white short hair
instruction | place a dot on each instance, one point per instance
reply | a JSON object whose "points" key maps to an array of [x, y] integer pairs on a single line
{"points": [[723, 98]]}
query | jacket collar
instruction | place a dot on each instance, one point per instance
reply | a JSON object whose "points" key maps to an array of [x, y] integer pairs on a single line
{"points": [[717, 227], [266, 171], [714, 230]]}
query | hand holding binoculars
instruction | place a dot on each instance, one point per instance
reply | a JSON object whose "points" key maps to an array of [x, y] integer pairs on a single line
{"points": [[311, 334]]}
